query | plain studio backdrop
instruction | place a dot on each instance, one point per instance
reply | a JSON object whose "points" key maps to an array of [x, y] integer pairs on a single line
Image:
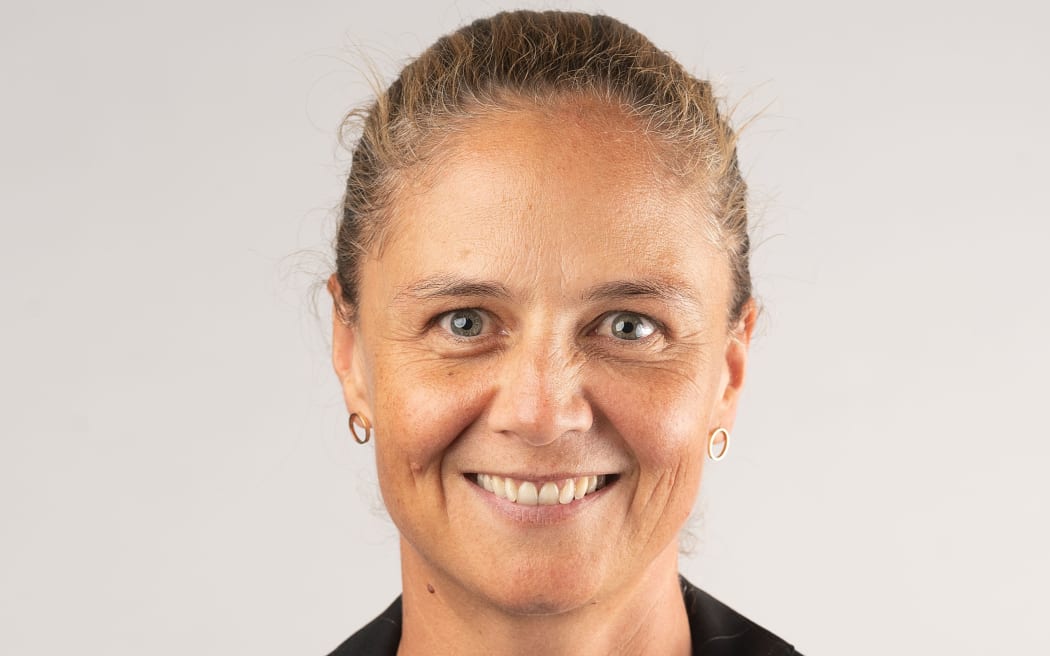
{"points": [[176, 476]]}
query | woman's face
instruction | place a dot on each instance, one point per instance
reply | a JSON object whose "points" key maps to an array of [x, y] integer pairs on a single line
{"points": [[543, 309]]}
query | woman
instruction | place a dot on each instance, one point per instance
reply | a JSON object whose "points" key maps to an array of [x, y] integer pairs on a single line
{"points": [[542, 315]]}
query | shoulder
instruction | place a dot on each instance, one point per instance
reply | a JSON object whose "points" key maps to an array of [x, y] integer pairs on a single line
{"points": [[718, 630], [380, 637]]}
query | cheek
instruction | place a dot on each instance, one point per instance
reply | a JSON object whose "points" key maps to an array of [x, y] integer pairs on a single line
{"points": [[662, 418], [661, 415], [421, 408]]}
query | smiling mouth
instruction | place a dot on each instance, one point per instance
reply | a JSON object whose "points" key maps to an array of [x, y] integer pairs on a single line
{"points": [[549, 493]]}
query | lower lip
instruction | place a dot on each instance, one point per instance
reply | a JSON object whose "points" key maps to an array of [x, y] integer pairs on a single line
{"points": [[538, 515]]}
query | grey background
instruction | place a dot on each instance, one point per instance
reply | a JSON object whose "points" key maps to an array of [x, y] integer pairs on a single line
{"points": [[175, 472]]}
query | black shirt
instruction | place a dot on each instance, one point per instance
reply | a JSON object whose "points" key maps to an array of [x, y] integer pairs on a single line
{"points": [[716, 630]]}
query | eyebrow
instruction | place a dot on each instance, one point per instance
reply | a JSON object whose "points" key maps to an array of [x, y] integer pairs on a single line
{"points": [[450, 286], [646, 288], [453, 286]]}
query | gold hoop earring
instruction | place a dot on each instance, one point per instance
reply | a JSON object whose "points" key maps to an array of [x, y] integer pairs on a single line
{"points": [[365, 425], [711, 445]]}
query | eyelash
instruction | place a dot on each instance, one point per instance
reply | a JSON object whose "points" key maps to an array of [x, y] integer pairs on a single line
{"points": [[658, 330], [446, 317]]}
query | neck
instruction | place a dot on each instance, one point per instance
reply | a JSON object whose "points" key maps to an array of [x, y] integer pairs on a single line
{"points": [[644, 615]]}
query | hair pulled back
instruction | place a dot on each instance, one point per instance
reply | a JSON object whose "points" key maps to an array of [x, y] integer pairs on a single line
{"points": [[521, 57]]}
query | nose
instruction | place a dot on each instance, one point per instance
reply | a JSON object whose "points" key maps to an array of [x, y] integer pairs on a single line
{"points": [[539, 396]]}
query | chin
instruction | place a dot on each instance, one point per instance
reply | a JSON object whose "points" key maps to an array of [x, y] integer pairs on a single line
{"points": [[541, 603], [548, 592]]}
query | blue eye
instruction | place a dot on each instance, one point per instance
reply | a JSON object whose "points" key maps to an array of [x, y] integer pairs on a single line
{"points": [[628, 326], [463, 323]]}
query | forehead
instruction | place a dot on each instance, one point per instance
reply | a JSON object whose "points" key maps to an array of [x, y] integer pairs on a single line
{"points": [[554, 194]]}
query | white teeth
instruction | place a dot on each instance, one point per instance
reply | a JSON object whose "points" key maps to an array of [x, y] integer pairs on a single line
{"points": [[581, 487], [549, 493], [568, 490], [527, 494]]}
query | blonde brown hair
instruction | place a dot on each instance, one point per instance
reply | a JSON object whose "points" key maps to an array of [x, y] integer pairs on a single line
{"points": [[537, 57]]}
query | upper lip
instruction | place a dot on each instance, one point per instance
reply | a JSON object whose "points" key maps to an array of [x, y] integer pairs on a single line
{"points": [[543, 478]]}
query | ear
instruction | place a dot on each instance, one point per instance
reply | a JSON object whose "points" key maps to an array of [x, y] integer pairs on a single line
{"points": [[346, 354], [735, 365]]}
